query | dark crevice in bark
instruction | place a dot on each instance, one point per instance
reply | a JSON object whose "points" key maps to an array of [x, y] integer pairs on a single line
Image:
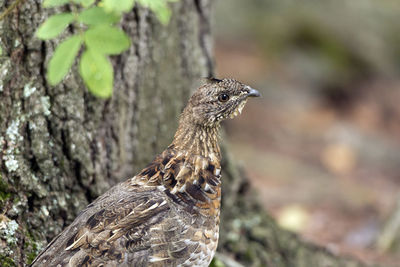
{"points": [[42, 68], [34, 166], [204, 31], [31, 204], [64, 215], [109, 150], [23, 254], [135, 11], [88, 99], [93, 152], [64, 145], [86, 188], [108, 145]]}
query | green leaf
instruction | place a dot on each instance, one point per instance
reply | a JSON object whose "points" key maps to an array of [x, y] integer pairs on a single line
{"points": [[97, 72], [62, 59], [106, 39], [160, 8], [54, 3], [145, 3], [84, 3], [117, 6], [162, 12], [97, 15], [1, 51], [54, 25]]}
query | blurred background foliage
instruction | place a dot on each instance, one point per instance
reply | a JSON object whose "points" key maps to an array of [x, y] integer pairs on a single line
{"points": [[323, 144]]}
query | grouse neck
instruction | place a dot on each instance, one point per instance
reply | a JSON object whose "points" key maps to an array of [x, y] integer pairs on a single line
{"points": [[197, 139]]}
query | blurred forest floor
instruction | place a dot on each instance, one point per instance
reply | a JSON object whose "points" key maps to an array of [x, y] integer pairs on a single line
{"points": [[332, 175], [322, 146]]}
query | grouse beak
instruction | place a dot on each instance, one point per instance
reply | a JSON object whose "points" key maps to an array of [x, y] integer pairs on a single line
{"points": [[253, 93]]}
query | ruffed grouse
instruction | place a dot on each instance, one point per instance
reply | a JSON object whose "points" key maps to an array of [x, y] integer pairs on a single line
{"points": [[168, 214]]}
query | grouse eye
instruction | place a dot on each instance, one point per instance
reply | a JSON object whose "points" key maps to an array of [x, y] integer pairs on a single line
{"points": [[223, 97]]}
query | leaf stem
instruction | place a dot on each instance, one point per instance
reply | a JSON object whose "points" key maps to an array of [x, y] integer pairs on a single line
{"points": [[79, 27]]}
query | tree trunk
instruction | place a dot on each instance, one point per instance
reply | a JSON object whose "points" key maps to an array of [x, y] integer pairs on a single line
{"points": [[60, 147]]}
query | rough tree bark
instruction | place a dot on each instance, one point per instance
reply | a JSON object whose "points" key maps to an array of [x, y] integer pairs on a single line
{"points": [[60, 147]]}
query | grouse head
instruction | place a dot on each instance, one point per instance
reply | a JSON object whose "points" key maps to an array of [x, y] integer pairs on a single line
{"points": [[217, 100]]}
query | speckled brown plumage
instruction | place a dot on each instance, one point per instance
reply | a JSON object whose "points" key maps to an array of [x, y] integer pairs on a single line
{"points": [[168, 214]]}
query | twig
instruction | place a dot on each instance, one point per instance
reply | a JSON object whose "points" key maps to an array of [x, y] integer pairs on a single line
{"points": [[9, 9]]}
